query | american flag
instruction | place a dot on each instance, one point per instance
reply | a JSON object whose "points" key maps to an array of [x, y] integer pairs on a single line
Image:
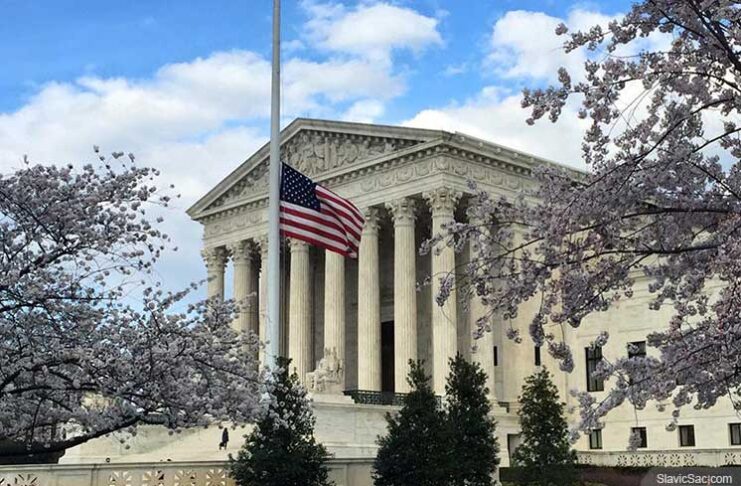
{"points": [[318, 216]]}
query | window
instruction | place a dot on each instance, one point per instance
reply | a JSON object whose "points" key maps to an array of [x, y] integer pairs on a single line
{"points": [[735, 434], [637, 349], [641, 433], [496, 356], [687, 435], [537, 355], [595, 439], [594, 356]]}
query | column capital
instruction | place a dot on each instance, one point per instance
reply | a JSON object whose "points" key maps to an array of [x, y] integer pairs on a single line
{"points": [[442, 200], [241, 251], [215, 257], [297, 245], [372, 219], [262, 242], [402, 210]]}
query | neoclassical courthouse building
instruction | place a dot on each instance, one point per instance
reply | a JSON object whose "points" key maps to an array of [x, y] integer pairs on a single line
{"points": [[351, 325]]}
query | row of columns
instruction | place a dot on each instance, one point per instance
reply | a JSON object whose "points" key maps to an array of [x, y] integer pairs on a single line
{"points": [[444, 318]]}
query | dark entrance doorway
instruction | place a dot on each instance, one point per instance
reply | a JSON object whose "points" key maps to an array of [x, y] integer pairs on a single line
{"points": [[387, 356]]}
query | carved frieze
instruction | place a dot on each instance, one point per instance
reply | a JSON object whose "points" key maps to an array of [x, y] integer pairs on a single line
{"points": [[441, 164]]}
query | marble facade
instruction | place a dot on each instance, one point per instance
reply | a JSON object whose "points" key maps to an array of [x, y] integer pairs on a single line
{"points": [[362, 319], [409, 182]]}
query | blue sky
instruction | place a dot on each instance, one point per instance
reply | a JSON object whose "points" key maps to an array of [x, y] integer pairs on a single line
{"points": [[184, 84]]}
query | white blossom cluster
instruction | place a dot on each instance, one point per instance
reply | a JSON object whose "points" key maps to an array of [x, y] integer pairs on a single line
{"points": [[77, 360], [660, 203]]}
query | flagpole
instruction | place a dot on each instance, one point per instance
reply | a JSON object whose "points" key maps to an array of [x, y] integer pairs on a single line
{"points": [[272, 319]]}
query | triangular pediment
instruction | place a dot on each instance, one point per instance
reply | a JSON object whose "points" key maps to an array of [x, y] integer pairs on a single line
{"points": [[316, 148]]}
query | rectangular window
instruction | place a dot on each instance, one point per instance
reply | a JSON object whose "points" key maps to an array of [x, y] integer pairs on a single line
{"points": [[496, 356], [637, 349], [735, 434], [640, 432], [687, 435], [594, 356], [537, 355], [595, 439]]}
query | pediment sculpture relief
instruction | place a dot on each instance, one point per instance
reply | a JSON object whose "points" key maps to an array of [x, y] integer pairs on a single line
{"points": [[313, 153]]}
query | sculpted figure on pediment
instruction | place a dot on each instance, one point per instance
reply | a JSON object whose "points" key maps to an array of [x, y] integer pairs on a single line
{"points": [[316, 153], [313, 153]]}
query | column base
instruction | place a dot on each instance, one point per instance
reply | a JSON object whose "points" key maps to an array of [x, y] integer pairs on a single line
{"points": [[498, 409], [330, 398]]}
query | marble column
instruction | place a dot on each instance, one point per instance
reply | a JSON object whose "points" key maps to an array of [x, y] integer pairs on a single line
{"points": [[405, 291], [442, 203], [215, 259], [334, 306], [244, 290], [263, 285], [299, 312], [483, 347], [369, 306]]}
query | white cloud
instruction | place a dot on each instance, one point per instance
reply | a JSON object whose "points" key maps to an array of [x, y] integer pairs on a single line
{"points": [[370, 30], [195, 121], [364, 111], [497, 116], [524, 49], [523, 44]]}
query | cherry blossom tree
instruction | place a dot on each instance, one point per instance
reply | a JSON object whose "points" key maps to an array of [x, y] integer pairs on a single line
{"points": [[89, 342], [657, 211]]}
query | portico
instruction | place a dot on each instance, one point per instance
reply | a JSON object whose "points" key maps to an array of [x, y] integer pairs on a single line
{"points": [[371, 313]]}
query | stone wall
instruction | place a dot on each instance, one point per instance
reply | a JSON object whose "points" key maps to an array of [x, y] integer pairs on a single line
{"points": [[348, 472]]}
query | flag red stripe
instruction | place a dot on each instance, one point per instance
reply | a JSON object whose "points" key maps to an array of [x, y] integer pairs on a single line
{"points": [[314, 216], [350, 206], [313, 240], [348, 215], [330, 210], [313, 228], [336, 225]]}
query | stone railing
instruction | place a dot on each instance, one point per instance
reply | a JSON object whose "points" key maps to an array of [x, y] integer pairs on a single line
{"points": [[125, 474], [367, 397], [344, 472], [665, 458]]}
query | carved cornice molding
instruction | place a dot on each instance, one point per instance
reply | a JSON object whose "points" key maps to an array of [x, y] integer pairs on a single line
{"points": [[386, 172]]}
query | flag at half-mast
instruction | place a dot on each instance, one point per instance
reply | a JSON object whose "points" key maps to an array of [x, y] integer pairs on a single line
{"points": [[318, 216]]}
